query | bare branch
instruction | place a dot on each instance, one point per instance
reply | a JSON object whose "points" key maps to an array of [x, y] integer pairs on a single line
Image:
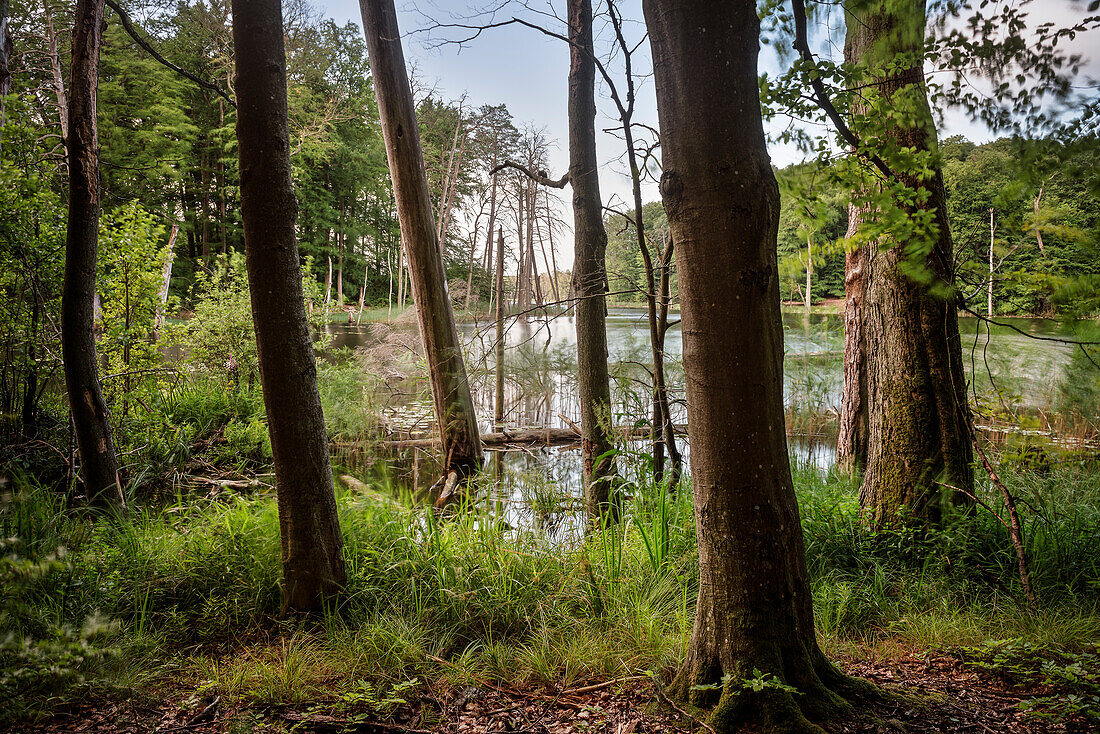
{"points": [[537, 176]]}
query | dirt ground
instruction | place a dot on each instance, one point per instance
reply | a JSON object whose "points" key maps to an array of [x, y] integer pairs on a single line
{"points": [[941, 695]]}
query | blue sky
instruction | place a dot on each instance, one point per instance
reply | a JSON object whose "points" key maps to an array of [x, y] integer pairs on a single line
{"points": [[527, 71]]}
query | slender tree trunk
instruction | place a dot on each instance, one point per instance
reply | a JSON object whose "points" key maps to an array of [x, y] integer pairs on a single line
{"points": [[989, 290], [754, 613], [98, 462], [166, 279], [454, 406], [589, 271], [6, 50], [488, 239], [851, 443], [55, 70], [312, 555], [498, 402], [919, 423], [809, 272]]}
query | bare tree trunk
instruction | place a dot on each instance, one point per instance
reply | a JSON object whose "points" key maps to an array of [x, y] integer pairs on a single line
{"points": [[809, 272], [98, 462], [498, 402], [989, 290], [851, 443], [166, 278], [312, 555], [454, 406], [488, 245], [754, 614], [55, 70], [589, 271], [919, 423]]}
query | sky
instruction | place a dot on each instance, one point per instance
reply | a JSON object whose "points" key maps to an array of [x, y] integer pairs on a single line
{"points": [[527, 71]]}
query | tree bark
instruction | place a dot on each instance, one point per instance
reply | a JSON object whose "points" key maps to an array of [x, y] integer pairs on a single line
{"points": [[454, 406], [589, 271], [851, 442], [91, 423], [754, 611], [312, 555], [6, 50], [498, 398], [919, 422]]}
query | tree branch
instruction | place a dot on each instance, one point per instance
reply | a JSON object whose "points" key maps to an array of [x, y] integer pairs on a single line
{"points": [[821, 96], [128, 26], [538, 177]]}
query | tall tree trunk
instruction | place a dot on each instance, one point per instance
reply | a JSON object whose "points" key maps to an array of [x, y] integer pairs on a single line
{"points": [[6, 50], [809, 272], [312, 555], [919, 423], [498, 402], [589, 271], [754, 613], [851, 442], [98, 462], [454, 406]]}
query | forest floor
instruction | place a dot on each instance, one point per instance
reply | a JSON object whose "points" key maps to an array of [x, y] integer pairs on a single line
{"points": [[936, 693]]}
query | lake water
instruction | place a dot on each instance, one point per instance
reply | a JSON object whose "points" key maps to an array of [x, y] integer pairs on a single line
{"points": [[1007, 371]]}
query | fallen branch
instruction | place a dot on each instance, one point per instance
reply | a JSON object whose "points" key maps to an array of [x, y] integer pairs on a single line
{"points": [[1016, 532]]}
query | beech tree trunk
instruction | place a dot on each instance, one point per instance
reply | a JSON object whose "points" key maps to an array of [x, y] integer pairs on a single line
{"points": [[851, 442], [754, 611], [312, 546], [919, 422], [454, 406], [98, 463], [589, 271]]}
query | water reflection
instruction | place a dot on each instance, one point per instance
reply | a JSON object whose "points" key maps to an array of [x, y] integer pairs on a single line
{"points": [[542, 486]]}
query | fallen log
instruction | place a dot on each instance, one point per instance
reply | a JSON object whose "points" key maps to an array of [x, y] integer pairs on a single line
{"points": [[529, 437]]}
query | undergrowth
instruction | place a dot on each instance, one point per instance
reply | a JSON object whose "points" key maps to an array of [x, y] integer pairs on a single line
{"points": [[190, 589]]}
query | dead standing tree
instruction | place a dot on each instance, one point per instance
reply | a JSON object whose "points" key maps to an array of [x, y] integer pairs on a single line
{"points": [[454, 406]]}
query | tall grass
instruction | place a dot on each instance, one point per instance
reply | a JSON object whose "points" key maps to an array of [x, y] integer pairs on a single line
{"points": [[197, 583]]}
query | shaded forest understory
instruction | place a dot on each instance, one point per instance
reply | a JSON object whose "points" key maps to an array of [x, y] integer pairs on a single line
{"points": [[326, 406]]}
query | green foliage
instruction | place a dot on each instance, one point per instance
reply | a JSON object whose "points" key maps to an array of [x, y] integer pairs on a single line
{"points": [[131, 265]]}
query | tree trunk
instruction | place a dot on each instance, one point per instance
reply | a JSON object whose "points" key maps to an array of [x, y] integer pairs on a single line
{"points": [[919, 423], [55, 70], [312, 555], [851, 442], [90, 420], [454, 406], [589, 271], [166, 279], [6, 50], [754, 611], [498, 401], [809, 272]]}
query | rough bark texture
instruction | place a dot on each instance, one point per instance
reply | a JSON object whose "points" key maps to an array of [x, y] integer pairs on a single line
{"points": [[454, 406], [851, 442], [918, 417], [99, 465], [312, 555], [589, 270], [498, 348], [754, 610]]}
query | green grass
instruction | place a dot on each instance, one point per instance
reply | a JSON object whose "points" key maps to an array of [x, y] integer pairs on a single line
{"points": [[191, 590]]}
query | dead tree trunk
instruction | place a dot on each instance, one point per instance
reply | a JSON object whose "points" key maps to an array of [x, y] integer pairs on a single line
{"points": [[851, 442], [98, 462], [454, 406], [589, 271], [498, 402], [312, 556], [6, 50], [754, 612]]}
